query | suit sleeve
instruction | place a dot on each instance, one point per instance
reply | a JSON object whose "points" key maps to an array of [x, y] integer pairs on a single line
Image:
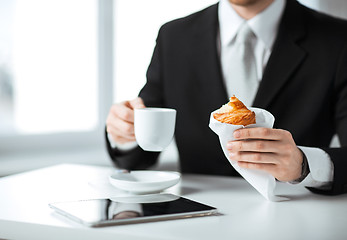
{"points": [[151, 94], [339, 155]]}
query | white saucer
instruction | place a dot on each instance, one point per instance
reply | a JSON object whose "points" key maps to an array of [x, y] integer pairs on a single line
{"points": [[143, 182]]}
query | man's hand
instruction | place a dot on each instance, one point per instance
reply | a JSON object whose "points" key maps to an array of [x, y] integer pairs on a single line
{"points": [[120, 120], [270, 150]]}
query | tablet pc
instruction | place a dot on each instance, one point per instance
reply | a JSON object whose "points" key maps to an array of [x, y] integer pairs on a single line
{"points": [[131, 209]]}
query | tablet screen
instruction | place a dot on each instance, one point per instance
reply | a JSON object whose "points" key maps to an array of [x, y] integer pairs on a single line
{"points": [[131, 209]]}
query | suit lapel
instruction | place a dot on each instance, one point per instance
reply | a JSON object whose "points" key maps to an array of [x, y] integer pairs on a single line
{"points": [[206, 61], [285, 58]]}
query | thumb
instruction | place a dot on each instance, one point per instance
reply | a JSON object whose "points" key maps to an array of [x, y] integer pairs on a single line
{"points": [[137, 103]]}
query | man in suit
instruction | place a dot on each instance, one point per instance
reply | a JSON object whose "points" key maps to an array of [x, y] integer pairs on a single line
{"points": [[300, 61]]}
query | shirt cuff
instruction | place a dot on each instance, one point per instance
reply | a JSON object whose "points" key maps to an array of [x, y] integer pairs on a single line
{"points": [[321, 168], [121, 147]]}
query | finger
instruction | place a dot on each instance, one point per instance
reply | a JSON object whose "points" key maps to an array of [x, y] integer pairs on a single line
{"points": [[261, 133], [253, 157], [113, 121], [270, 168], [123, 111], [121, 140], [123, 127], [253, 146], [116, 131], [117, 135], [119, 127], [137, 103]]}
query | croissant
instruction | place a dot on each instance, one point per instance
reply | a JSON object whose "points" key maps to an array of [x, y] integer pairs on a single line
{"points": [[235, 112]]}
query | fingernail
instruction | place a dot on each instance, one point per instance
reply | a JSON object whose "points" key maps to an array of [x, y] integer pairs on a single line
{"points": [[229, 146], [237, 134]]}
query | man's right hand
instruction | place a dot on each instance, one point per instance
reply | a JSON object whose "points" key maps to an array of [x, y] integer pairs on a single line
{"points": [[120, 120]]}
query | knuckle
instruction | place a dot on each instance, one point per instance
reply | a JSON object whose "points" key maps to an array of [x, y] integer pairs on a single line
{"points": [[287, 134], [259, 145], [246, 133], [287, 148], [239, 145], [265, 131], [257, 157]]}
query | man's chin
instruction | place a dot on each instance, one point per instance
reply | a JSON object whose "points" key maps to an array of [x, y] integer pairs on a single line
{"points": [[244, 3]]}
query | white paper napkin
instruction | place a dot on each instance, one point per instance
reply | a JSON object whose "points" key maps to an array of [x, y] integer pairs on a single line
{"points": [[262, 181]]}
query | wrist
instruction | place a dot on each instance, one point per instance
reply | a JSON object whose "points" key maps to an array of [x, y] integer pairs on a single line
{"points": [[305, 170]]}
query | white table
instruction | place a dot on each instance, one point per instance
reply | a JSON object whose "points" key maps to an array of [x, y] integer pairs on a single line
{"points": [[245, 214]]}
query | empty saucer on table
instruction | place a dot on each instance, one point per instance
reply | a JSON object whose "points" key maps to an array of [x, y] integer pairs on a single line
{"points": [[146, 181]]}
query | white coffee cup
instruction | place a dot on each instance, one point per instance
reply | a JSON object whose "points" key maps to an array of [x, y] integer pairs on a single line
{"points": [[154, 128]]}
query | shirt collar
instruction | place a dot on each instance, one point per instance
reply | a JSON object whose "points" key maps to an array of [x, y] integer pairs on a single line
{"points": [[264, 25]]}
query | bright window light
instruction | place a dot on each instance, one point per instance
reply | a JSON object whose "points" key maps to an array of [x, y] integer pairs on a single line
{"points": [[49, 60]]}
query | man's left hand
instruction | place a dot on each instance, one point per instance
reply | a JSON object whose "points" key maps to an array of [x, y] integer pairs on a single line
{"points": [[270, 150]]}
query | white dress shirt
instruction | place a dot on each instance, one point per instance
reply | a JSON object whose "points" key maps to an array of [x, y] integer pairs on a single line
{"points": [[265, 26]]}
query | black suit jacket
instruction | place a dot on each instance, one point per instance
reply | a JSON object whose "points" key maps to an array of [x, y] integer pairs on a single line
{"points": [[304, 86]]}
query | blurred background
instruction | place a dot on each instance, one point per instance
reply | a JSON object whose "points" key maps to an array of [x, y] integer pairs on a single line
{"points": [[64, 62]]}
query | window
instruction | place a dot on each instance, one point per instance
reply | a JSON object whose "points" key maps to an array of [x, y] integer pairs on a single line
{"points": [[136, 27], [50, 81]]}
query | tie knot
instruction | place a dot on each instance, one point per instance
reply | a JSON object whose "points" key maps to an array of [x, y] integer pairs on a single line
{"points": [[245, 34]]}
